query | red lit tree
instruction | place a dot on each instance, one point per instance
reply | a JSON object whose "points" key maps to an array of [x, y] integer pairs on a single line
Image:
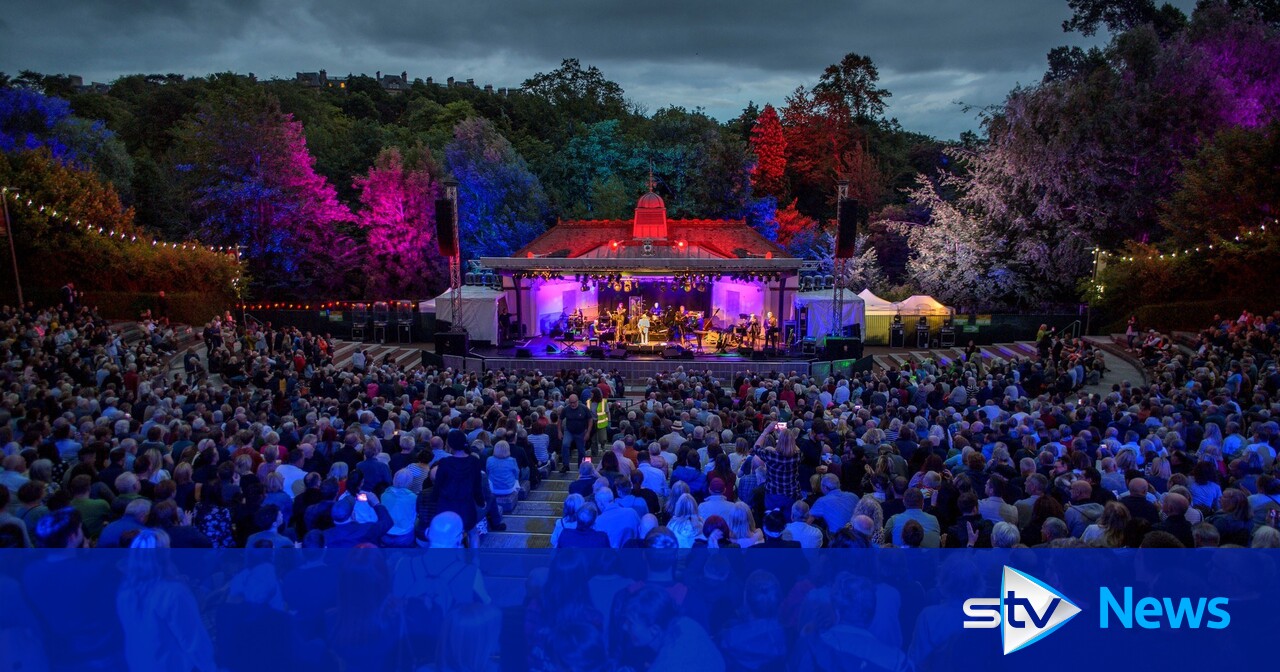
{"points": [[792, 222], [768, 176], [402, 260], [818, 137]]}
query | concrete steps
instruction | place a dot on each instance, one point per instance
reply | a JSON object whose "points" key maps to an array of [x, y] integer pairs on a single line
{"points": [[531, 523]]}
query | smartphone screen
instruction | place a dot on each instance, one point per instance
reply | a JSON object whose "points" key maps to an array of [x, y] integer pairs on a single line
{"points": [[780, 426]]}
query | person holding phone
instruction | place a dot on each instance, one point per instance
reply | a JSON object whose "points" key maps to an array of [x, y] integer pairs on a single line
{"points": [[777, 448]]}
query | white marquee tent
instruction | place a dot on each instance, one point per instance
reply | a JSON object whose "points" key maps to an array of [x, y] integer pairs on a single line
{"points": [[874, 305], [822, 311], [479, 311], [923, 305]]}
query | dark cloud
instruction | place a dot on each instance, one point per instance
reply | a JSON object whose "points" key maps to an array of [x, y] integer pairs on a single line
{"points": [[715, 55]]}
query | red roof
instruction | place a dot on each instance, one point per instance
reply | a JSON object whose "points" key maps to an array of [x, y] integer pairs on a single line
{"points": [[728, 238]]}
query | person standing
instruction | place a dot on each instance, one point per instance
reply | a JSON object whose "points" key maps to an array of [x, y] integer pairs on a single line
{"points": [[457, 484], [600, 411], [782, 464], [576, 423], [643, 324]]}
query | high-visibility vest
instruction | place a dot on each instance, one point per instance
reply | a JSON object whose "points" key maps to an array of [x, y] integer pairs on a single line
{"points": [[602, 415]]}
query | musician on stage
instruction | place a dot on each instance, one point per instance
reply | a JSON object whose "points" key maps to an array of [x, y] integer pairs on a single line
{"points": [[753, 330], [620, 324], [643, 324], [770, 330]]}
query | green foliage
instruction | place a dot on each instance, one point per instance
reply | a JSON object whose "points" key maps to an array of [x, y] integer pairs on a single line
{"points": [[51, 252]]}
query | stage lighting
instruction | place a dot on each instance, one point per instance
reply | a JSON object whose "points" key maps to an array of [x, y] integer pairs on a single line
{"points": [[586, 287], [626, 286]]}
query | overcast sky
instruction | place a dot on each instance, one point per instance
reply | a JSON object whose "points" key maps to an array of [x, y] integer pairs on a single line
{"points": [[932, 54]]}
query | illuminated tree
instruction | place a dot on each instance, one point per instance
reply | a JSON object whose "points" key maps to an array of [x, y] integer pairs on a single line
{"points": [[253, 183], [769, 144], [502, 206], [792, 223], [818, 137], [402, 259]]}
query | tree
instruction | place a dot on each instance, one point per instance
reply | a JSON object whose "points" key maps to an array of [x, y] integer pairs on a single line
{"points": [[1119, 16], [1228, 187], [818, 136], [402, 258], [30, 120], [862, 271], [852, 83], [956, 258], [52, 249], [501, 203], [253, 183], [583, 95], [769, 144], [793, 223]]}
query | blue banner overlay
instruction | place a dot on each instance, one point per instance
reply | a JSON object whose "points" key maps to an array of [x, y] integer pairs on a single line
{"points": [[656, 609]]}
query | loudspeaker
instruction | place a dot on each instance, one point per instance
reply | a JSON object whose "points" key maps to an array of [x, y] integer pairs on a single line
{"points": [[896, 335], [444, 228], [452, 343], [948, 337], [758, 356], [802, 322], [551, 350], [524, 353], [844, 348], [922, 336], [770, 351], [854, 330], [595, 352], [852, 216], [745, 351], [618, 353], [673, 352]]}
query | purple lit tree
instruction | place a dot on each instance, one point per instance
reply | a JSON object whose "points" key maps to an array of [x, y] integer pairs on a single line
{"points": [[402, 260], [253, 183]]}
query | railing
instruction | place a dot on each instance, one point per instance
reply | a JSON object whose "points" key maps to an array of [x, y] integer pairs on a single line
{"points": [[1074, 328]]}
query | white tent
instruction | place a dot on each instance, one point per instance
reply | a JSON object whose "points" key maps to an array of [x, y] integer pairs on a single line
{"points": [[822, 310], [874, 305], [478, 313], [923, 305]]}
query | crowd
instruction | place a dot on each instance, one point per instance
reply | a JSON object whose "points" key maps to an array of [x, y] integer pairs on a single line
{"points": [[267, 444]]}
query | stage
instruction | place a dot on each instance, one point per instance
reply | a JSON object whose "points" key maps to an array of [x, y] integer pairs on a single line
{"points": [[640, 361]]}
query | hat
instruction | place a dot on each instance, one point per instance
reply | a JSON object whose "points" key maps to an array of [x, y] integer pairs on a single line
{"points": [[677, 426], [716, 486], [456, 440]]}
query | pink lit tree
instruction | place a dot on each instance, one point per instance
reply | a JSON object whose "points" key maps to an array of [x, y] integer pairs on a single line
{"points": [[398, 215], [252, 183]]}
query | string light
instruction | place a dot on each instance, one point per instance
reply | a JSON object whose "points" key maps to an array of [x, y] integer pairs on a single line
{"points": [[17, 199], [1185, 252]]}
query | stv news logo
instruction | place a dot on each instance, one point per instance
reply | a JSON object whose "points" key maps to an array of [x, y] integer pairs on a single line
{"points": [[1027, 609]]}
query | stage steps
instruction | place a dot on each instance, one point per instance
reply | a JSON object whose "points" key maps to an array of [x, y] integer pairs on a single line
{"points": [[533, 520]]}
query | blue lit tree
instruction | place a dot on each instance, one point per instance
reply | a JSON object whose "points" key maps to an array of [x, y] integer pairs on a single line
{"points": [[502, 206], [30, 120]]}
